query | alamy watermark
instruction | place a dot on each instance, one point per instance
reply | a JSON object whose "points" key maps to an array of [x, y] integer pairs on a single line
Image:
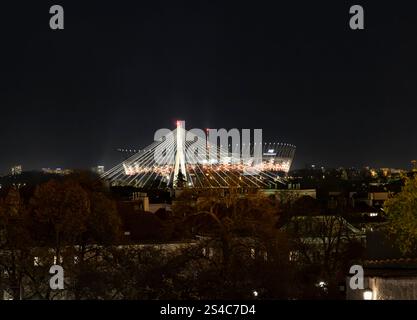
{"points": [[357, 280], [211, 146], [356, 21], [56, 282]]}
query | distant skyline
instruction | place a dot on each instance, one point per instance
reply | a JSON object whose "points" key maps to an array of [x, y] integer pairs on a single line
{"points": [[120, 71]]}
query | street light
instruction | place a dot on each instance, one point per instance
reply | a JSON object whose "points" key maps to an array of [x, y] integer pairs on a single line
{"points": [[368, 294]]}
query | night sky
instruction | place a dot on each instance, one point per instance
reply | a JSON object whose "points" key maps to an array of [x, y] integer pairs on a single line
{"points": [[122, 69]]}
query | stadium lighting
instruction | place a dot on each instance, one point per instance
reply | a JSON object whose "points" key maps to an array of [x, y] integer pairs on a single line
{"points": [[158, 165]]}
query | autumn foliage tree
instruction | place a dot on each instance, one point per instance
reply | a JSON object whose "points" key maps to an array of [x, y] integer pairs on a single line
{"points": [[63, 208], [14, 241], [68, 221], [401, 212], [243, 249]]}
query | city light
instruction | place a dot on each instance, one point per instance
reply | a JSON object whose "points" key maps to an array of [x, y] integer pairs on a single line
{"points": [[367, 294]]}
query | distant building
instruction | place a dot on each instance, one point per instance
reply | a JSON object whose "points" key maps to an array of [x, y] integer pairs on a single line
{"points": [[290, 194], [372, 199], [98, 169], [141, 201], [16, 170], [414, 165], [58, 171]]}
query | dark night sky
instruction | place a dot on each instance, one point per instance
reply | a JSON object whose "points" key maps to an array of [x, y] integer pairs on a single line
{"points": [[122, 69]]}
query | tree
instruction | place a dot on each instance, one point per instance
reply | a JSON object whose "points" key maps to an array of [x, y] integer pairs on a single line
{"points": [[84, 221], [243, 249], [14, 242], [63, 208], [322, 248], [401, 212], [181, 181]]}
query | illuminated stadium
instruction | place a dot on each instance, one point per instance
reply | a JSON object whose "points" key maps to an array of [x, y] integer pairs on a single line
{"points": [[181, 158]]}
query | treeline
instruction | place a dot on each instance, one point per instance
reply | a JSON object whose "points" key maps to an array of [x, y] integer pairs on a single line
{"points": [[227, 247]]}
